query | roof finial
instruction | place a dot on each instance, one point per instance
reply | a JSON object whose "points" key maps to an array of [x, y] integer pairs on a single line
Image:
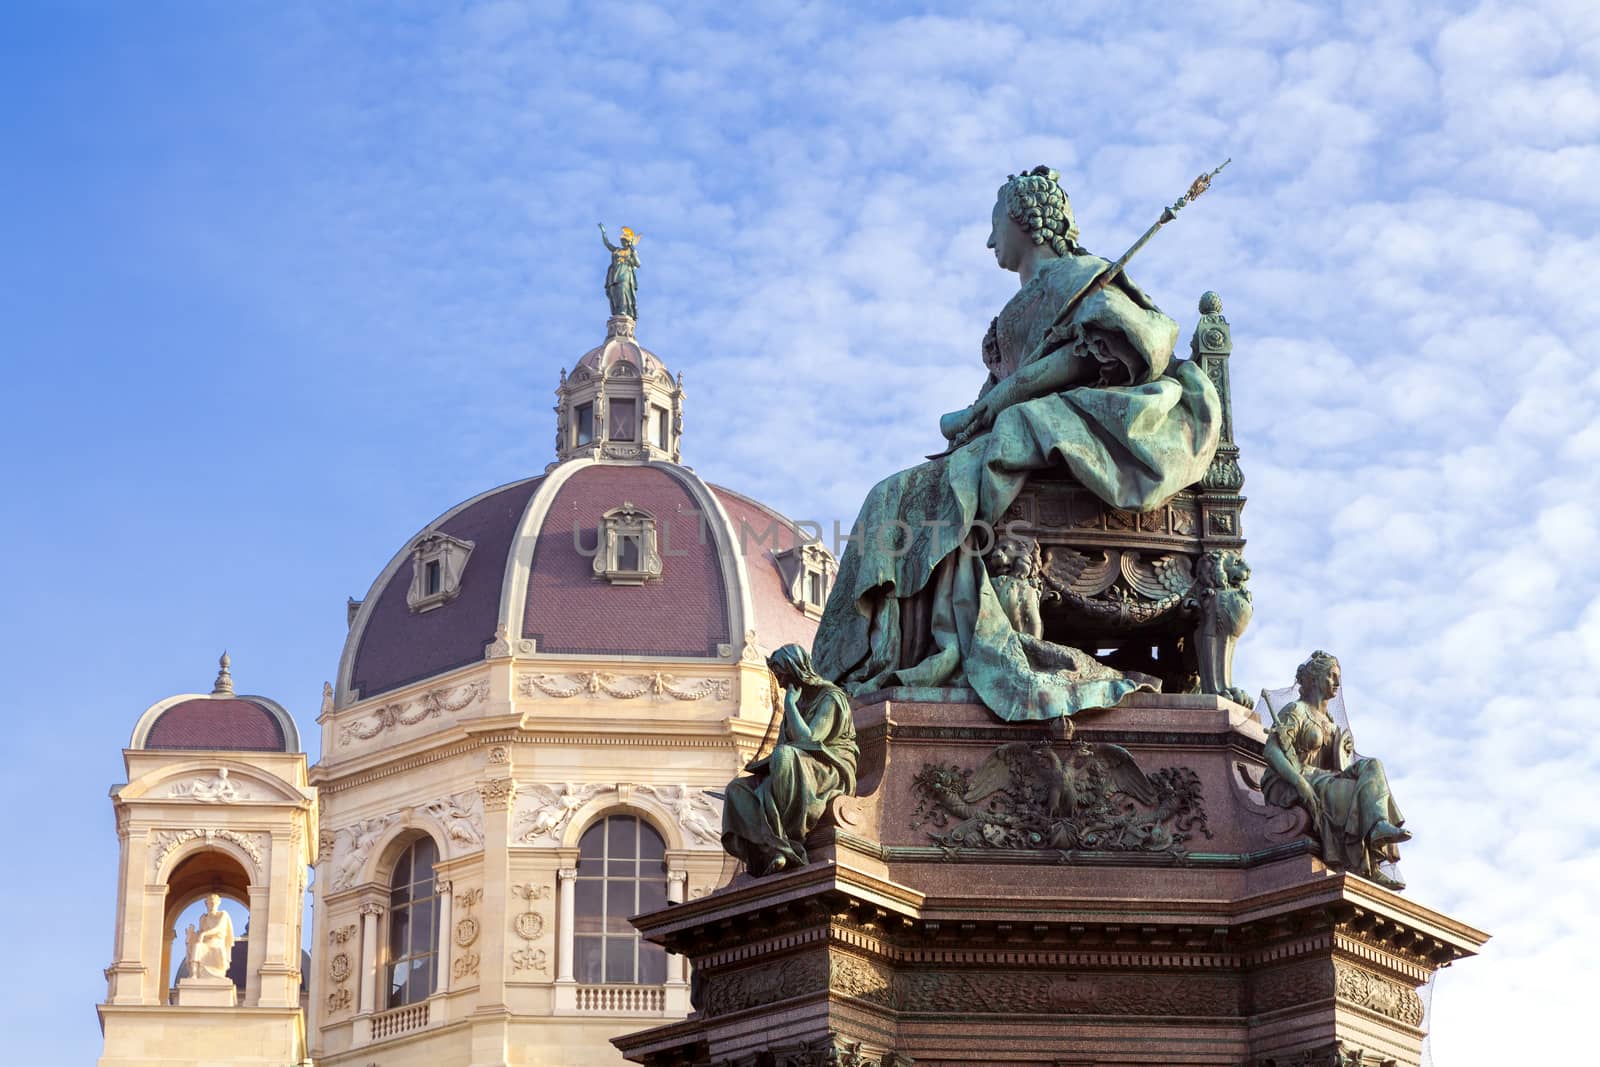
{"points": [[224, 686]]}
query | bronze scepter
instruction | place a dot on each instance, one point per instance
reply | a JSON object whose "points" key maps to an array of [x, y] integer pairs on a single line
{"points": [[1060, 329]]}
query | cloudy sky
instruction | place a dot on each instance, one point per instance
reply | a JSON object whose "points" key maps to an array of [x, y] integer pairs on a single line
{"points": [[282, 281]]}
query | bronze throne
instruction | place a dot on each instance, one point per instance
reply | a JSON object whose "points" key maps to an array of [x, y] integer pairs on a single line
{"points": [[1161, 592]]}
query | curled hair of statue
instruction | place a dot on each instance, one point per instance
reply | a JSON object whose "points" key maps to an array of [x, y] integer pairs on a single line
{"points": [[1036, 202]]}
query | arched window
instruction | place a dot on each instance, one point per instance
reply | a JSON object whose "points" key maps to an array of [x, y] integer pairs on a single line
{"points": [[622, 872], [413, 925]]}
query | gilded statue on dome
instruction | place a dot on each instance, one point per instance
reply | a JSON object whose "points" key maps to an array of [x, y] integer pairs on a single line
{"points": [[621, 283]]}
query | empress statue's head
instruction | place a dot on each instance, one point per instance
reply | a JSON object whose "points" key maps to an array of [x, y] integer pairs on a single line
{"points": [[1318, 677], [1036, 202]]}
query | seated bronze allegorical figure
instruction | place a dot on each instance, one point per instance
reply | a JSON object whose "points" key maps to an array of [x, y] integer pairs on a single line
{"points": [[1085, 383], [1311, 763], [767, 814]]}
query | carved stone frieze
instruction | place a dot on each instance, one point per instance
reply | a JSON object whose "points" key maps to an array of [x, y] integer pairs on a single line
{"points": [[1071, 796], [766, 983], [656, 686], [163, 842], [1290, 985], [1013, 992], [1374, 992], [430, 705]]}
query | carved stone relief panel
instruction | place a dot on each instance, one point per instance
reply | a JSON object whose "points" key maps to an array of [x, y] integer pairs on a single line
{"points": [[403, 713], [529, 925]]}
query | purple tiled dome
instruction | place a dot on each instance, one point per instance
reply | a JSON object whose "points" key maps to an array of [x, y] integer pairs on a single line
{"points": [[530, 573], [235, 723]]}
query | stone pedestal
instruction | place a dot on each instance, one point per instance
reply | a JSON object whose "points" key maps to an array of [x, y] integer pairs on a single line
{"points": [[1121, 897], [207, 993]]}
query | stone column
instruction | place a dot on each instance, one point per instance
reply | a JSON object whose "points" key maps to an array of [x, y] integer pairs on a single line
{"points": [[441, 981], [153, 923], [256, 952], [566, 918], [499, 798], [370, 913], [677, 886]]}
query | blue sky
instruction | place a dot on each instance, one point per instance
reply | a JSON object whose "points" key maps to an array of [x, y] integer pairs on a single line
{"points": [[285, 280]]}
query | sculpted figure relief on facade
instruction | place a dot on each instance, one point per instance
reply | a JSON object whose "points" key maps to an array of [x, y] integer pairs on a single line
{"points": [[1073, 796], [460, 814], [430, 705], [217, 789]]}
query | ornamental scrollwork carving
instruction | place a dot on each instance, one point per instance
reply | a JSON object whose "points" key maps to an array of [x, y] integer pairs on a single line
{"points": [[430, 705], [529, 925], [1377, 993], [164, 842], [1071, 796], [657, 686]]}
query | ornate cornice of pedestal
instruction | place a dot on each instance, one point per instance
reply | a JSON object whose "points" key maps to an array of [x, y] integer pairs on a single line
{"points": [[1224, 946]]}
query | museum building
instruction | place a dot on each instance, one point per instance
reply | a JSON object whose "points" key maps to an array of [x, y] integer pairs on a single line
{"points": [[533, 700]]}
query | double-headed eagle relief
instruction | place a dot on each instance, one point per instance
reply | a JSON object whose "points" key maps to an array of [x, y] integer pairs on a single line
{"points": [[1081, 796]]}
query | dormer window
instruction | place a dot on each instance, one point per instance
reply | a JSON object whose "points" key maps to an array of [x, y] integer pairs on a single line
{"points": [[583, 429], [627, 553], [807, 571], [437, 560], [624, 420], [660, 427]]}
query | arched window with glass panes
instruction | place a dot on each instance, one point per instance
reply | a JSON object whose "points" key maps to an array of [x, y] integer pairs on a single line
{"points": [[413, 925], [622, 871]]}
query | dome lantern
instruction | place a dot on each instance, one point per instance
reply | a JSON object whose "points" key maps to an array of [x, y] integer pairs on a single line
{"points": [[619, 403]]}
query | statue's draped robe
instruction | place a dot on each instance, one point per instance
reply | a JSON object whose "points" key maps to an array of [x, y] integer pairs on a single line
{"points": [[769, 813], [912, 607], [211, 953]]}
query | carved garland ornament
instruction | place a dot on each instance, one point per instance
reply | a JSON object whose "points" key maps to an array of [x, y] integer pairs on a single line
{"points": [[830, 1051], [409, 713], [624, 687], [466, 933], [163, 842]]}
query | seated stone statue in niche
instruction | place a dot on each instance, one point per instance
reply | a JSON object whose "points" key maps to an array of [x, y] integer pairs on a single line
{"points": [[1311, 763], [766, 816], [210, 944], [1100, 394]]}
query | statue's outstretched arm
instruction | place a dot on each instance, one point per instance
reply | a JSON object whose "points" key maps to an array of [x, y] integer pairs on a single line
{"points": [[606, 240]]}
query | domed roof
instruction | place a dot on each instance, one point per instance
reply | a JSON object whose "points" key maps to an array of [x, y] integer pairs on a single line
{"points": [[217, 721], [620, 349], [520, 570]]}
